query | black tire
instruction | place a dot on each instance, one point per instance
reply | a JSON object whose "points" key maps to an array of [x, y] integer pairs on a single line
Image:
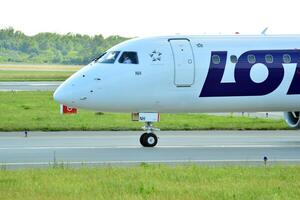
{"points": [[150, 140]]}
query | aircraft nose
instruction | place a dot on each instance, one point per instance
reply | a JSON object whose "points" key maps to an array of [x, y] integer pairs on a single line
{"points": [[61, 95]]}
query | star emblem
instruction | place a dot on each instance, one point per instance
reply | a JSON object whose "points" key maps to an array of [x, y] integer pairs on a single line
{"points": [[199, 45], [155, 56]]}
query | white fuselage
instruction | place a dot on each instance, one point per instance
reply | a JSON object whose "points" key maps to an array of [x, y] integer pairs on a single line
{"points": [[172, 71]]}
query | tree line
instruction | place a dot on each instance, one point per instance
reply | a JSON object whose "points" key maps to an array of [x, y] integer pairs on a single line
{"points": [[52, 48]]}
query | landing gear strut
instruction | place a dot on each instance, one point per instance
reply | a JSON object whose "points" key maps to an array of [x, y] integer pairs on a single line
{"points": [[149, 139]]}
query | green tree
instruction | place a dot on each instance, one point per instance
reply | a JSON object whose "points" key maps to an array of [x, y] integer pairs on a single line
{"points": [[70, 48]]}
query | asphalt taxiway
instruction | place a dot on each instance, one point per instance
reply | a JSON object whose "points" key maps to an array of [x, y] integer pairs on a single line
{"points": [[41, 149]]}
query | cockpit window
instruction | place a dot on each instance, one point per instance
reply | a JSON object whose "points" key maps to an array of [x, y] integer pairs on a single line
{"points": [[129, 57], [109, 57]]}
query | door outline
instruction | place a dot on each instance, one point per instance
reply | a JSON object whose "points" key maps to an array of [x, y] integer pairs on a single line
{"points": [[174, 63]]}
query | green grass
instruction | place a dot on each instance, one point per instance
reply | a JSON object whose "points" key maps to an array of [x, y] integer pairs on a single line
{"points": [[39, 67], [14, 75], [152, 182], [38, 111], [29, 72]]}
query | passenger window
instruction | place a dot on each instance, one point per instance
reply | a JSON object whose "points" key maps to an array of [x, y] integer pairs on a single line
{"points": [[129, 57], [109, 57], [251, 59], [216, 59], [269, 58], [286, 58], [233, 59]]}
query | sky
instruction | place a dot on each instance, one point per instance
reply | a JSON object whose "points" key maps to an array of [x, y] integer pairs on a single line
{"points": [[138, 18]]}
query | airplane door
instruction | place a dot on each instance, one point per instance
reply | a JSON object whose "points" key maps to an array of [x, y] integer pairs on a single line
{"points": [[184, 70]]}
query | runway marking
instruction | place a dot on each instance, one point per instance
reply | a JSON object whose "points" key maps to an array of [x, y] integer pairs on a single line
{"points": [[145, 161], [43, 84], [140, 147]]}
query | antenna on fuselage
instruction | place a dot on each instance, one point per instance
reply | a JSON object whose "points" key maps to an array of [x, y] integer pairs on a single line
{"points": [[264, 31]]}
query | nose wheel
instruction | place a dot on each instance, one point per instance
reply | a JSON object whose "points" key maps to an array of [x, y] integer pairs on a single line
{"points": [[149, 139]]}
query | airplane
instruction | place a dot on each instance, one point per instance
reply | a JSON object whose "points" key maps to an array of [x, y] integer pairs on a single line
{"points": [[190, 74]]}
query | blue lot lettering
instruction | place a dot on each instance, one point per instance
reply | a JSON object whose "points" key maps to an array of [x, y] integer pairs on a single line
{"points": [[244, 85]]}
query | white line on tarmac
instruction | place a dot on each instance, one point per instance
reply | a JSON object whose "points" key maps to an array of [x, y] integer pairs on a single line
{"points": [[42, 85]]}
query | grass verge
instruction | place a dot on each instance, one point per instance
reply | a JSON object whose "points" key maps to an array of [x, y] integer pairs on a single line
{"points": [[152, 182], [29, 72], [14, 75], [39, 67], [38, 111]]}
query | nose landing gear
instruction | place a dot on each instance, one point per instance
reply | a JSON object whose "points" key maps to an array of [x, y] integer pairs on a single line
{"points": [[149, 139]]}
